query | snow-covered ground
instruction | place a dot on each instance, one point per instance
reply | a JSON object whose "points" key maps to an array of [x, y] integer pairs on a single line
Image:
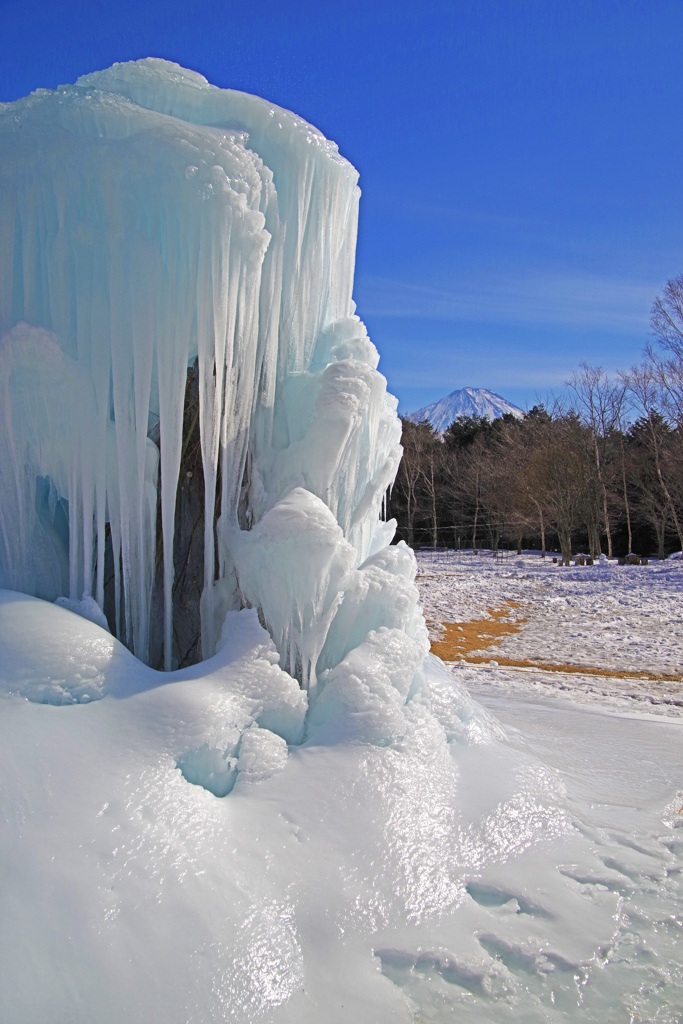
{"points": [[433, 865], [609, 618], [219, 843]]}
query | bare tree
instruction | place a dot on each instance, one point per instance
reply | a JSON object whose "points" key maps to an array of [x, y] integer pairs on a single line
{"points": [[429, 470], [618, 413], [666, 359], [560, 471], [502, 471], [645, 388], [466, 441], [418, 440], [453, 490], [531, 485], [649, 501], [472, 479], [593, 392]]}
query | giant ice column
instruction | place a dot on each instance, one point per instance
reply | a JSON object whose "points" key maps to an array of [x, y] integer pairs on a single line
{"points": [[148, 219]]}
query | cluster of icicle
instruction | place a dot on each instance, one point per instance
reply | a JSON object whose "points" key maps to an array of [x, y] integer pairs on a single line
{"points": [[148, 219]]}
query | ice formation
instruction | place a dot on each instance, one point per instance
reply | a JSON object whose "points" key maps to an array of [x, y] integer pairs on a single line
{"points": [[148, 219]]}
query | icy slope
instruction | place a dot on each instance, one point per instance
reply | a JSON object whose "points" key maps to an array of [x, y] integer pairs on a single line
{"points": [[407, 862], [465, 402], [148, 219]]}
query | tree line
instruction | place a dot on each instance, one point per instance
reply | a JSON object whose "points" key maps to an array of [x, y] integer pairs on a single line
{"points": [[600, 470]]}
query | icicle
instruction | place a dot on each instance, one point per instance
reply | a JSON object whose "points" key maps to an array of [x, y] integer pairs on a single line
{"points": [[148, 236]]}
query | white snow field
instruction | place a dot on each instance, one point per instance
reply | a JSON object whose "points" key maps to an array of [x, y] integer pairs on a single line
{"points": [[626, 620], [170, 852], [317, 822]]}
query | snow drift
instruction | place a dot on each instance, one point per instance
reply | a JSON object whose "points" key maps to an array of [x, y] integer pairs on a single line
{"points": [[148, 219], [167, 860]]}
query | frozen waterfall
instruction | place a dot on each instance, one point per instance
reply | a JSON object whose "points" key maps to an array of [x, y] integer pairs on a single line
{"points": [[148, 220]]}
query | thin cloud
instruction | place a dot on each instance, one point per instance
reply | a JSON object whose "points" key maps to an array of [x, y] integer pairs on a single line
{"points": [[505, 377], [548, 299], [450, 212]]}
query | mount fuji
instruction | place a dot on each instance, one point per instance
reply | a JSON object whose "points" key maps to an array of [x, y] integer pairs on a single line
{"points": [[465, 402]]}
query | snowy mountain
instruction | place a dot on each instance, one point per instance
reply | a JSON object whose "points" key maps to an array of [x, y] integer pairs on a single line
{"points": [[465, 402]]}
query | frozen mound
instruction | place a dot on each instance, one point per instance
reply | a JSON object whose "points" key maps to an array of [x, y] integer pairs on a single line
{"points": [[166, 858], [52, 656], [88, 656], [149, 220]]}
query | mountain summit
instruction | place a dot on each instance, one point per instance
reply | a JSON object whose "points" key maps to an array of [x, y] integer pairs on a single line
{"points": [[465, 402]]}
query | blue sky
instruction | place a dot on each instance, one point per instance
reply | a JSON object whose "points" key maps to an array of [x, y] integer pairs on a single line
{"points": [[520, 162]]}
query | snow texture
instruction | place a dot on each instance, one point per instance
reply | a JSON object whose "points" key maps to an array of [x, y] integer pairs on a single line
{"points": [[465, 402], [167, 859], [621, 618], [148, 218]]}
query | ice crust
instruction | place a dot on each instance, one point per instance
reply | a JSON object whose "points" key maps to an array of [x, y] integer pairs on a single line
{"points": [[148, 218]]}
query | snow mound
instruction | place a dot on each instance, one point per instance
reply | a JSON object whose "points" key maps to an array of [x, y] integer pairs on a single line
{"points": [[52, 656], [406, 859], [88, 608]]}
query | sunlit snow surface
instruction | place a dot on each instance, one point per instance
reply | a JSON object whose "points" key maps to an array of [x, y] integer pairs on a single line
{"points": [[411, 863], [624, 618]]}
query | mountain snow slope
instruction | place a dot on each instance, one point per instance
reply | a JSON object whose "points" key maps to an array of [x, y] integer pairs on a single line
{"points": [[465, 402]]}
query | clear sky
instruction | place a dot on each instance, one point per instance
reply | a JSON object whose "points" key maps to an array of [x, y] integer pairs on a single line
{"points": [[521, 163]]}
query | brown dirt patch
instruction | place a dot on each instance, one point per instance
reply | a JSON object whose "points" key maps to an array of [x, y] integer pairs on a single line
{"points": [[456, 641]]}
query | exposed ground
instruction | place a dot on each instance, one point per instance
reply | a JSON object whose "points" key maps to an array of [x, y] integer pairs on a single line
{"points": [[604, 633]]}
